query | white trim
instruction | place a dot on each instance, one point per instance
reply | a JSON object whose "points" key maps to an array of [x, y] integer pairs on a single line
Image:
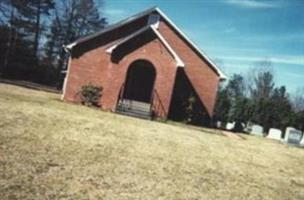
{"points": [[154, 23], [179, 62], [221, 74], [66, 78], [141, 14], [111, 27], [112, 48], [70, 46]]}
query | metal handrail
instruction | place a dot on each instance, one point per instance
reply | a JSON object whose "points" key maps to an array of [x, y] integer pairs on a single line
{"points": [[156, 104], [120, 96]]}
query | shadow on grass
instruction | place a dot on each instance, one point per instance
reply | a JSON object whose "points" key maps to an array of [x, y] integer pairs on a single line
{"points": [[31, 85]]}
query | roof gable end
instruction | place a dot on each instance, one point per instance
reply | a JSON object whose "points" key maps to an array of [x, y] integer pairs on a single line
{"points": [[179, 62], [142, 14]]}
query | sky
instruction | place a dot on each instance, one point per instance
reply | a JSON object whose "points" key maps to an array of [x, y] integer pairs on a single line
{"points": [[236, 34]]}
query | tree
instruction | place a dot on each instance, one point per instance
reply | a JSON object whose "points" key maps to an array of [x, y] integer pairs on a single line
{"points": [[235, 89], [299, 120], [281, 110], [12, 17], [7, 12], [260, 94], [4, 36], [222, 105], [243, 110], [232, 103], [72, 19], [31, 12], [298, 100], [264, 104], [23, 19], [263, 86], [24, 28], [38, 8], [4, 12]]}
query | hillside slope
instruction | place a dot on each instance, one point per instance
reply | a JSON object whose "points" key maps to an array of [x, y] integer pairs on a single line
{"points": [[55, 150]]}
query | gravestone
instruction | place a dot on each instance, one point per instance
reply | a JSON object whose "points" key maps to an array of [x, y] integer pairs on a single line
{"points": [[288, 129], [244, 125], [302, 141], [294, 137], [257, 130], [275, 134], [230, 126], [218, 124], [248, 127]]}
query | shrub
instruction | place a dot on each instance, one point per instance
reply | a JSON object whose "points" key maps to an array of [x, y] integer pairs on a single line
{"points": [[90, 95], [190, 111]]}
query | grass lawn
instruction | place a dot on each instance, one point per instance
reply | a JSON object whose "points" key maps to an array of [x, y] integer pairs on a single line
{"points": [[55, 150]]}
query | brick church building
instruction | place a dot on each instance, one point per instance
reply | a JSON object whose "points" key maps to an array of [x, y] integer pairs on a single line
{"points": [[147, 67]]}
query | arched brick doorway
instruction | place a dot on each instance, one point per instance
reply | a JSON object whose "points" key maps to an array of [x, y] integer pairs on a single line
{"points": [[139, 81]]}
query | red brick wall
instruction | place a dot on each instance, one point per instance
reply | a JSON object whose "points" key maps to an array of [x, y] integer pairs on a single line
{"points": [[91, 67], [96, 67], [91, 64], [204, 80]]}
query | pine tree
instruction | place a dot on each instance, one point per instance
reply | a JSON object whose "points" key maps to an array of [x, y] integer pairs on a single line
{"points": [[222, 105], [280, 109], [41, 8], [25, 25], [11, 17], [236, 89], [76, 19], [32, 12]]}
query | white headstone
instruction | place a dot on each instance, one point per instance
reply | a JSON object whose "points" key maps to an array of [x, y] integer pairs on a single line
{"points": [[230, 126], [244, 125], [248, 127], [257, 130], [275, 134], [218, 124], [302, 141], [294, 137], [288, 129]]}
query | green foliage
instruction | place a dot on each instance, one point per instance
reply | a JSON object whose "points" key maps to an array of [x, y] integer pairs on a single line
{"points": [[263, 85], [235, 90], [232, 103], [186, 106], [272, 107], [264, 104], [73, 19], [223, 105], [190, 112], [33, 32], [90, 95], [299, 120], [243, 110]]}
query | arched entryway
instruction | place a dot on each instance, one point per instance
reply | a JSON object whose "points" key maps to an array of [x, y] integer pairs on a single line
{"points": [[139, 81]]}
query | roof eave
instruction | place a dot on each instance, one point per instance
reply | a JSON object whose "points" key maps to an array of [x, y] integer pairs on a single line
{"points": [[217, 70], [221, 75], [179, 62], [113, 26]]}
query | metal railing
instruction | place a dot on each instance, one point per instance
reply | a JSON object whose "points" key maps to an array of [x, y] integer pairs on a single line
{"points": [[120, 95], [157, 109]]}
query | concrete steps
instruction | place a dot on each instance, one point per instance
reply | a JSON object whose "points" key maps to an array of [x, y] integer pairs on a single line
{"points": [[134, 108]]}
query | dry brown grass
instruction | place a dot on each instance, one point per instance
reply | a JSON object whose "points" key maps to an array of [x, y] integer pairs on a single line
{"points": [[55, 150]]}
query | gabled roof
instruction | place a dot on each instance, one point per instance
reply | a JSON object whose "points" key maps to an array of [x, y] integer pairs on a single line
{"points": [[179, 62], [139, 15]]}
